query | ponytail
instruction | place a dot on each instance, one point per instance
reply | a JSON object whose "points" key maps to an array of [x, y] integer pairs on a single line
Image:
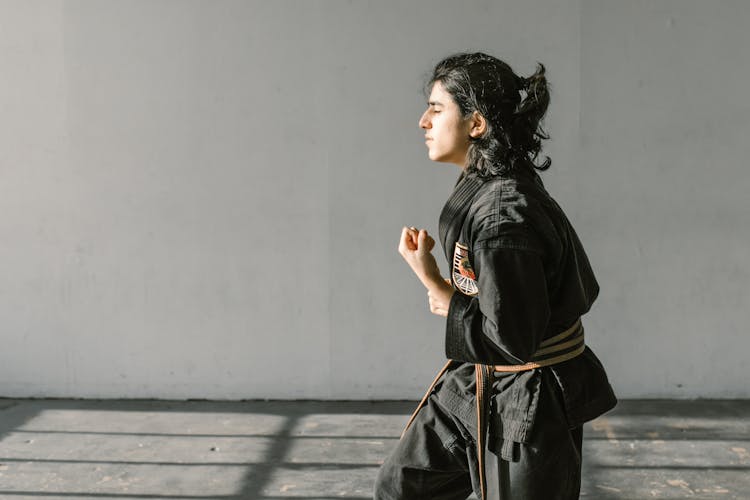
{"points": [[531, 110]]}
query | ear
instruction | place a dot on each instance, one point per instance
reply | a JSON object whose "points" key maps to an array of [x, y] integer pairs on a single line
{"points": [[477, 125]]}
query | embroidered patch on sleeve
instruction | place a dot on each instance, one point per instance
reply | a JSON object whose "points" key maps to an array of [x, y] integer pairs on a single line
{"points": [[463, 274]]}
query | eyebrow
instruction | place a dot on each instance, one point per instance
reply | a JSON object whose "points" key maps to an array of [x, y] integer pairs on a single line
{"points": [[434, 103]]}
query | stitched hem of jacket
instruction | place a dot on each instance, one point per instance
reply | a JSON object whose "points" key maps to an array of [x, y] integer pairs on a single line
{"points": [[514, 423], [461, 407]]}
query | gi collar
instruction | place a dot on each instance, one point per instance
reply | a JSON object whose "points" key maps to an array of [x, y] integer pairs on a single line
{"points": [[455, 210]]}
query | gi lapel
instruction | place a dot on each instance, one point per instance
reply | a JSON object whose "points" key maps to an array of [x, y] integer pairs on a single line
{"points": [[454, 212]]}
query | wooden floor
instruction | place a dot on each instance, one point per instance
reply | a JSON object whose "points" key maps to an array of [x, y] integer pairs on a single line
{"points": [[331, 450]]}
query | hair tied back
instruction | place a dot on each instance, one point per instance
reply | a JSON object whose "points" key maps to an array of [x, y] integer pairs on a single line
{"points": [[513, 106], [523, 90]]}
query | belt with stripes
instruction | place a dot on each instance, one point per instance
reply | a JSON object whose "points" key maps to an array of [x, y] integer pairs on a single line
{"points": [[562, 347]]}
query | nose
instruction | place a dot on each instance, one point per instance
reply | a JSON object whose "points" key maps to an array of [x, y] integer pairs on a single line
{"points": [[424, 122]]}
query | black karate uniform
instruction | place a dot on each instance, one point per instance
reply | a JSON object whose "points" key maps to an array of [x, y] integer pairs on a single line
{"points": [[522, 277]]}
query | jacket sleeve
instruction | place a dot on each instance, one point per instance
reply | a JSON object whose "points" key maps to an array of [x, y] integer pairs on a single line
{"points": [[505, 322]]}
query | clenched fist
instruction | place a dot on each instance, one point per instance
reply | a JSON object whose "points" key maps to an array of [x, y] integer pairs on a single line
{"points": [[415, 246]]}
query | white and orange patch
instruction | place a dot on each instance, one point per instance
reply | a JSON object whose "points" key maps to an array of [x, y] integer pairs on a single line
{"points": [[463, 274]]}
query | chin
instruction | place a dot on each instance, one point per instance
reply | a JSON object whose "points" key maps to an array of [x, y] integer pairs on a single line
{"points": [[435, 156]]}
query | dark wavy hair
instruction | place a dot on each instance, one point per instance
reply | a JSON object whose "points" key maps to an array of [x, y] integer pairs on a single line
{"points": [[513, 107]]}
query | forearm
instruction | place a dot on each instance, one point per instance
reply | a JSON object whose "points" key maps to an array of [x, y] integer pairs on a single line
{"points": [[440, 293], [432, 280]]}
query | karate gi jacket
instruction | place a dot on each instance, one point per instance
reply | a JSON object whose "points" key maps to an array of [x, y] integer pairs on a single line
{"points": [[522, 276]]}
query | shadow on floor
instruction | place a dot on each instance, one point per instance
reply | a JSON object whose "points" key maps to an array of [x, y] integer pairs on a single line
{"points": [[331, 450]]}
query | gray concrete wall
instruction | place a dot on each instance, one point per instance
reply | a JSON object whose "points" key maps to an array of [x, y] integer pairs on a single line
{"points": [[203, 199], [665, 121]]}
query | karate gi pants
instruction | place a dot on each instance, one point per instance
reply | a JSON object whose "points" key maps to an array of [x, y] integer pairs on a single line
{"points": [[436, 459]]}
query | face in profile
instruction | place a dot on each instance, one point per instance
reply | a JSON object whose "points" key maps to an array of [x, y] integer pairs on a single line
{"points": [[446, 131]]}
